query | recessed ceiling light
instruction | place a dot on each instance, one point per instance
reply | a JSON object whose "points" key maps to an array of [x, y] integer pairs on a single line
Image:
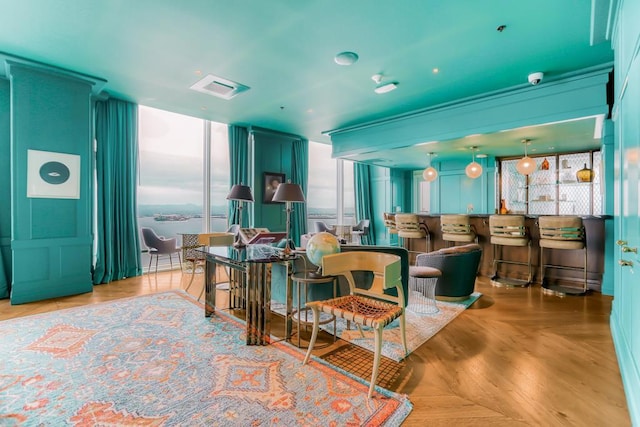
{"points": [[387, 87], [481, 156], [346, 58], [436, 71]]}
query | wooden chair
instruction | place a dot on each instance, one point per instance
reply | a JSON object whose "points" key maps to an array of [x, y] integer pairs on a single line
{"points": [[365, 307]]}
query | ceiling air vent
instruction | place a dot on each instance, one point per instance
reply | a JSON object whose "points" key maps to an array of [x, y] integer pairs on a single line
{"points": [[217, 86]]}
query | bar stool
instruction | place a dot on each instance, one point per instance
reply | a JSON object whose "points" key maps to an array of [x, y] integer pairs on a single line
{"points": [[422, 289], [566, 233], [457, 229], [509, 230], [408, 227]]}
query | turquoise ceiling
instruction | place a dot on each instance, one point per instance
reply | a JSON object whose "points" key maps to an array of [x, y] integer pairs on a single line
{"points": [[152, 51]]}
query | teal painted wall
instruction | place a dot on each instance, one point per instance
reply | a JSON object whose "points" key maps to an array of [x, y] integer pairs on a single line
{"points": [[454, 192], [5, 186], [272, 153], [51, 238], [625, 316]]}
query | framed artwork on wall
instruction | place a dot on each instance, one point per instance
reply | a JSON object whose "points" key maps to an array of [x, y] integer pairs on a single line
{"points": [[53, 175], [270, 184]]}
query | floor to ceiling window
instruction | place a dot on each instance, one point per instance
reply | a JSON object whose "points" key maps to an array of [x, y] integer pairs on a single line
{"points": [[172, 179], [330, 196]]}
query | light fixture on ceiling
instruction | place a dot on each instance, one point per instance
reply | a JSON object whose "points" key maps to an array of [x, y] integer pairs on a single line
{"points": [[383, 87], [473, 169], [430, 173], [346, 58], [526, 165]]}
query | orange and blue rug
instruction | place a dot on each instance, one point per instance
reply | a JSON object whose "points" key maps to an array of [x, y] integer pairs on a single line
{"points": [[155, 360]]}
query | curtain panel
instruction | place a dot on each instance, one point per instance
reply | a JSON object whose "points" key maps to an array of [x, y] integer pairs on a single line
{"points": [[300, 176], [239, 169], [364, 206], [117, 238]]}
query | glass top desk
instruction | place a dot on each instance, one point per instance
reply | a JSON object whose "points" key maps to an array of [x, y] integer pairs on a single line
{"points": [[249, 274]]}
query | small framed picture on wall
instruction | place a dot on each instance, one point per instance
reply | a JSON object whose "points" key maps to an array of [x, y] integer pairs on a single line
{"points": [[53, 175], [271, 182]]}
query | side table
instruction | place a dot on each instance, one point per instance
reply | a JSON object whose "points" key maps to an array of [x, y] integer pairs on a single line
{"points": [[303, 280], [422, 289]]}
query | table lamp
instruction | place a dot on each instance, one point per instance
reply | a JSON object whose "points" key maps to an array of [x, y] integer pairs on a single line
{"points": [[240, 193], [288, 193]]}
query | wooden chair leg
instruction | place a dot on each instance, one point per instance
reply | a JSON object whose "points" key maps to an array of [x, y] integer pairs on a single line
{"points": [[376, 359], [403, 331], [314, 334]]}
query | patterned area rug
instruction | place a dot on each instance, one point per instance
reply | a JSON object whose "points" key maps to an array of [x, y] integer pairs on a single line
{"points": [[419, 328], [155, 360]]}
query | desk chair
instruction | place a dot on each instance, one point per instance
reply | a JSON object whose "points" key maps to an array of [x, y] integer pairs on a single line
{"points": [[562, 233], [509, 230], [364, 307]]}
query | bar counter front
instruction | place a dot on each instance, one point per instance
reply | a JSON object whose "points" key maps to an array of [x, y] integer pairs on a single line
{"points": [[595, 239]]}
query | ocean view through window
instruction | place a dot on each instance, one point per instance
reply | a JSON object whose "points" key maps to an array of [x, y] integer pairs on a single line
{"points": [[330, 195], [171, 179]]}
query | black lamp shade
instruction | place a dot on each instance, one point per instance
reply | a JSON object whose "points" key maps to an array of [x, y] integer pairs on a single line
{"points": [[240, 192], [288, 192]]}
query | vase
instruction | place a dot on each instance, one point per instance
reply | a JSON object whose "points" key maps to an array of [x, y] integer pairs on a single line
{"points": [[503, 207], [585, 174]]}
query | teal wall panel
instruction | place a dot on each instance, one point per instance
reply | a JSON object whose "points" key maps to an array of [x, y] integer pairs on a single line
{"points": [[272, 153], [454, 192], [382, 202], [50, 111], [625, 316], [5, 188]]}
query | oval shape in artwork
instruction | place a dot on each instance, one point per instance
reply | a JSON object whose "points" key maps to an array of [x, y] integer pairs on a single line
{"points": [[54, 172]]}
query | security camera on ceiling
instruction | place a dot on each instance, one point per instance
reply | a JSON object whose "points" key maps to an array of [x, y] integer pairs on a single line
{"points": [[535, 78]]}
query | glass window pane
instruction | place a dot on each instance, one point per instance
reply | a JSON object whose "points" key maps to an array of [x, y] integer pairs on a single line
{"points": [[170, 173], [220, 173], [349, 194], [322, 187]]}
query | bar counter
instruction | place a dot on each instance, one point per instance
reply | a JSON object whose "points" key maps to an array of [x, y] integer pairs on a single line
{"points": [[595, 232]]}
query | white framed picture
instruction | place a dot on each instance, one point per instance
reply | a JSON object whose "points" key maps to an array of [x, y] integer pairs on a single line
{"points": [[53, 175]]}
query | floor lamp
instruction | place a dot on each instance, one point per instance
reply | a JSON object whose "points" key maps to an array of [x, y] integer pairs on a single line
{"points": [[240, 193], [288, 193]]}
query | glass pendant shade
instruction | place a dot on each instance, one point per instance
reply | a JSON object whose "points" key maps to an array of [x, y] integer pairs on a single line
{"points": [[473, 170], [430, 174], [526, 165]]}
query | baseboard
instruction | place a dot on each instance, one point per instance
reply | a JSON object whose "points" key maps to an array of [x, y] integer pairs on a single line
{"points": [[628, 370]]}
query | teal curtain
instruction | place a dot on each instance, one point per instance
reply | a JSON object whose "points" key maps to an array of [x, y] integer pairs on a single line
{"points": [[364, 206], [239, 170], [118, 241], [300, 176], [4, 279]]}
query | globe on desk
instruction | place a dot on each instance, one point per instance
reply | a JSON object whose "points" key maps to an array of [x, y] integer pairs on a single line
{"points": [[318, 246]]}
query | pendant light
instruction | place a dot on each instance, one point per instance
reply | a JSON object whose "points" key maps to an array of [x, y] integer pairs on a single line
{"points": [[430, 173], [473, 169], [526, 165]]}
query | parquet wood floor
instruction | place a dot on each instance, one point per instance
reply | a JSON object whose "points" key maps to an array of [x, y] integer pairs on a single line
{"points": [[516, 357]]}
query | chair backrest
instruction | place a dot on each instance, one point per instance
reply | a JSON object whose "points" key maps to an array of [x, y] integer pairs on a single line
{"points": [[150, 238], [363, 226], [561, 228], [455, 224], [386, 268], [389, 220], [511, 226], [320, 226], [407, 222]]}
